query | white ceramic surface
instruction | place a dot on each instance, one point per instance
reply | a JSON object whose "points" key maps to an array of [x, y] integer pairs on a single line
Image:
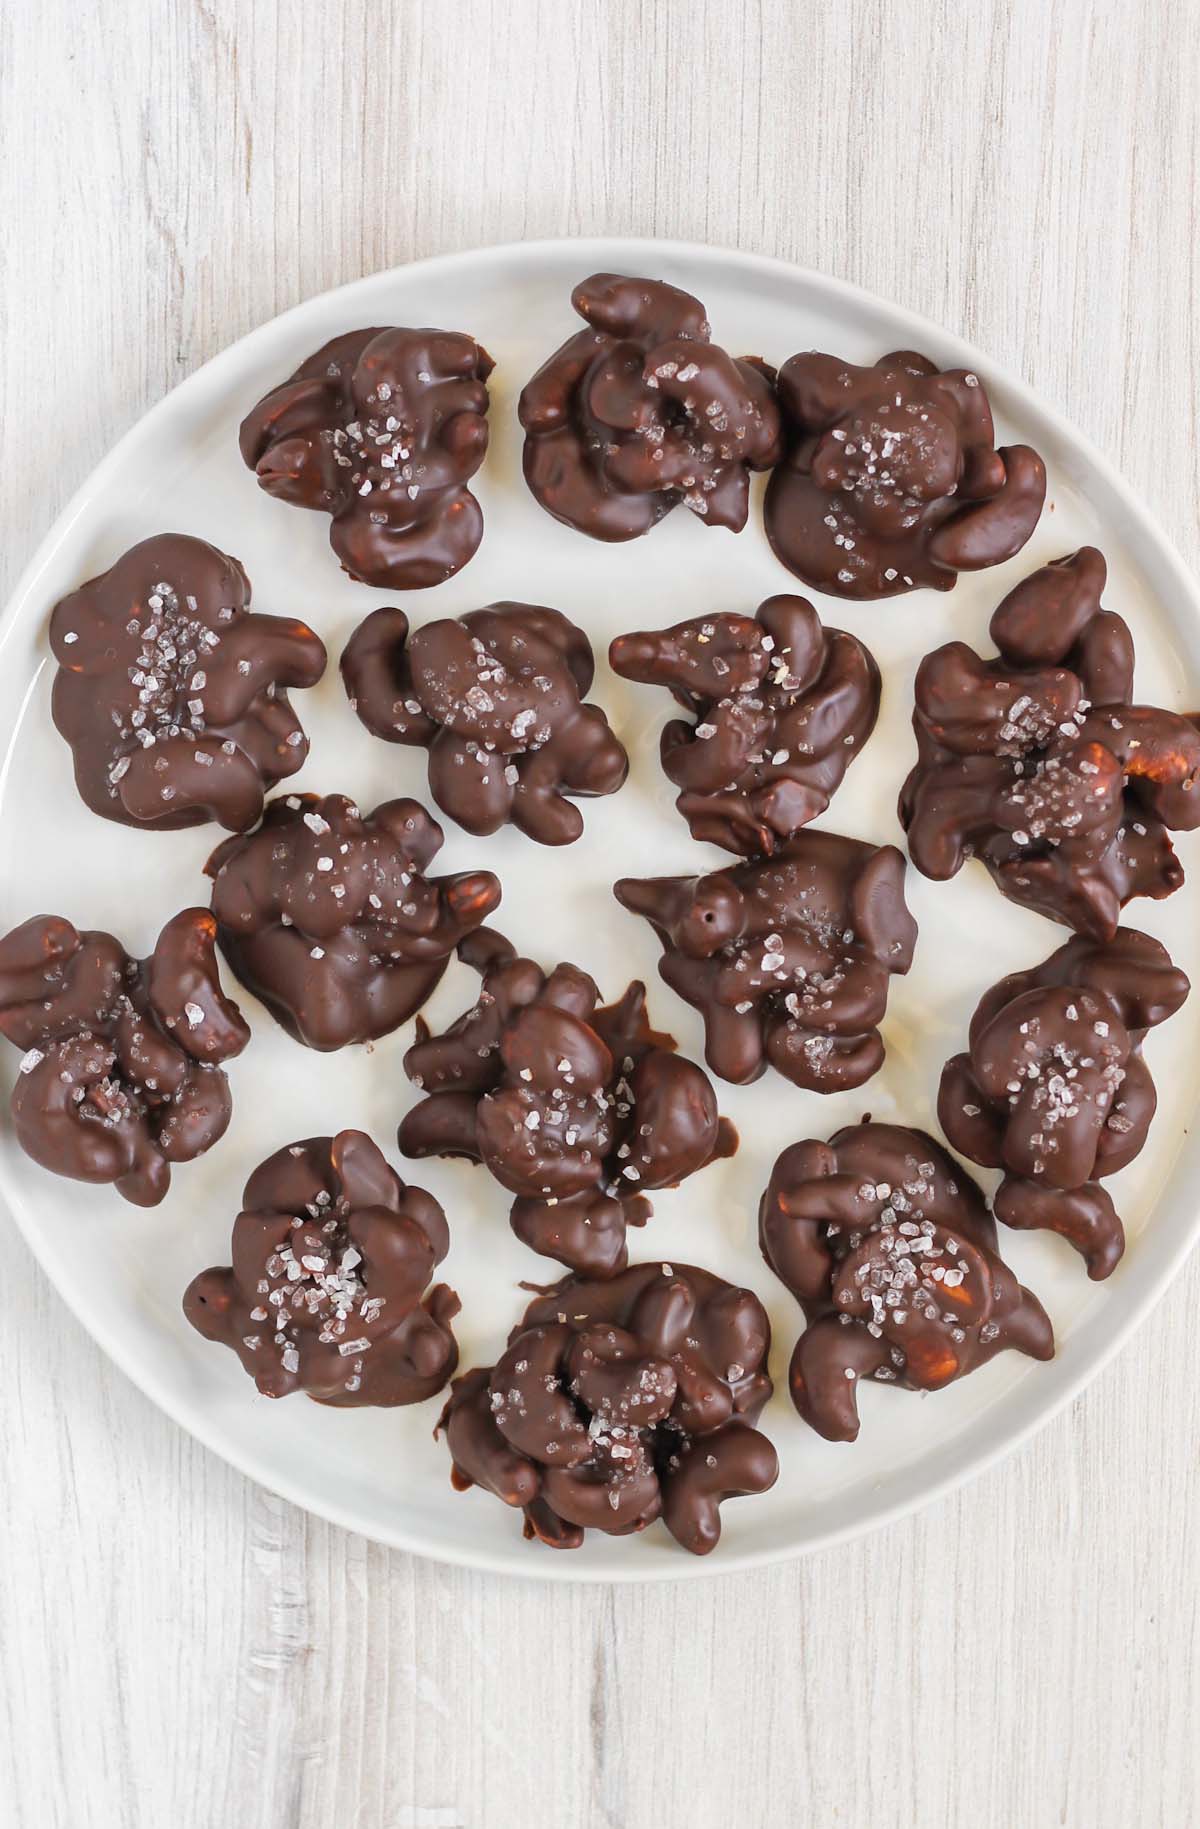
{"points": [[123, 1270]]}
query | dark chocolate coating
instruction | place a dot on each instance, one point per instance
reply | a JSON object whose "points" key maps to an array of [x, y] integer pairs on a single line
{"points": [[577, 1110], [1037, 762], [1053, 1088], [892, 478], [782, 707], [496, 697], [619, 1402], [382, 430], [121, 1074], [788, 958], [326, 914], [889, 1248], [641, 412], [172, 694], [327, 1293]]}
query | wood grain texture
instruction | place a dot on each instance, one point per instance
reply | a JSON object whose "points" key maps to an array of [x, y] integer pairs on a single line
{"points": [[177, 1647]]}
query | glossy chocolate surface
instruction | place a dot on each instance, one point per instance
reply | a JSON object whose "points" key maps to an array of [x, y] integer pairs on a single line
{"points": [[328, 1289], [497, 698], [781, 707], [1039, 763], [1053, 1088], [892, 479], [382, 430], [578, 1110], [641, 412], [172, 693], [620, 1402], [889, 1248], [327, 915], [121, 1072], [787, 959]]}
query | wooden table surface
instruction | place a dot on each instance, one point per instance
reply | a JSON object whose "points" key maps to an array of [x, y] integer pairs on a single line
{"points": [[178, 1647]]}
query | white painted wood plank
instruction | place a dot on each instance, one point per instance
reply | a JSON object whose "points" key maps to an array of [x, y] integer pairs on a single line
{"points": [[178, 1647]]}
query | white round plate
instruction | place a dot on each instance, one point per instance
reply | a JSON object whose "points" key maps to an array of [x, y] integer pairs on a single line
{"points": [[123, 1271]]}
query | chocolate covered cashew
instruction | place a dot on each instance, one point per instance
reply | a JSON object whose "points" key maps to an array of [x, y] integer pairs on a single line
{"points": [[641, 412], [382, 430], [327, 915], [172, 694], [328, 1290], [619, 1402], [892, 478], [1038, 763], [787, 959], [1054, 1090], [889, 1248], [781, 705], [578, 1110], [121, 1072], [496, 697]]}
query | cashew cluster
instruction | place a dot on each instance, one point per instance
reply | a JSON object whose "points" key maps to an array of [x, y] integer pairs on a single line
{"points": [[1039, 763]]}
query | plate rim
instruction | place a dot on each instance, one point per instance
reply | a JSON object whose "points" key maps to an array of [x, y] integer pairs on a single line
{"points": [[1147, 530]]}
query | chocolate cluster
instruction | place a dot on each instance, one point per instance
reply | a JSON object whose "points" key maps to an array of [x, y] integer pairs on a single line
{"points": [[328, 1290], [382, 430], [1053, 1088], [641, 412], [121, 1072], [781, 707], [172, 694], [787, 958], [497, 698], [619, 1402], [327, 915], [890, 1250], [892, 479], [1039, 763], [579, 1110]]}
